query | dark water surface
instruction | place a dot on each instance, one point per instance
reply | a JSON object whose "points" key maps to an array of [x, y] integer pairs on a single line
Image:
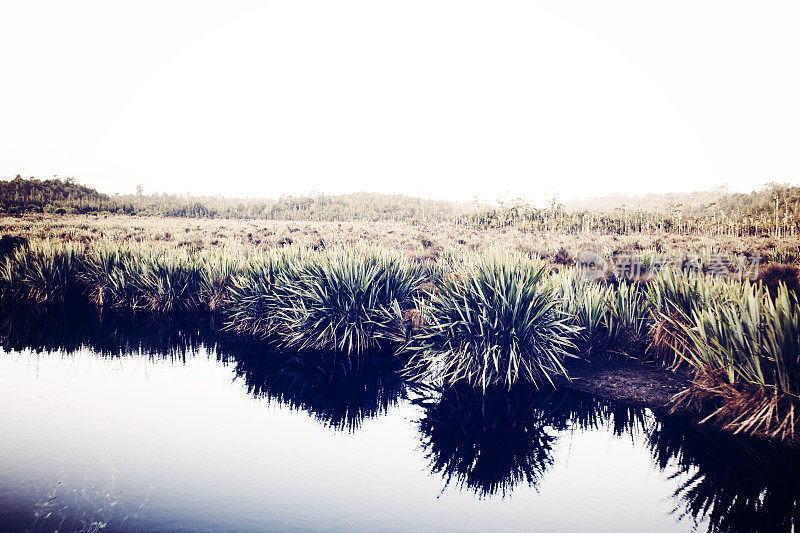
{"points": [[159, 423]]}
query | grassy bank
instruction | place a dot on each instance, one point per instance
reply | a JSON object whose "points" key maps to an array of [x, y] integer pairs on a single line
{"points": [[488, 320]]}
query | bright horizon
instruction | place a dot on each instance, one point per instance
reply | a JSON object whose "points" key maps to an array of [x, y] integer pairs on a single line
{"points": [[444, 100]]}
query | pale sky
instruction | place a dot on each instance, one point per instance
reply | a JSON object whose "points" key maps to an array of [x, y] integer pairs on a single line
{"points": [[445, 99]]}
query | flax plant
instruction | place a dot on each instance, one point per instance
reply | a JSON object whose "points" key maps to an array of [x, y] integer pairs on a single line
{"points": [[349, 300], [493, 323]]}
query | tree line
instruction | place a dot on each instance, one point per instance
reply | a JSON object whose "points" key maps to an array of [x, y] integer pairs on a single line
{"points": [[772, 210], [20, 196]]}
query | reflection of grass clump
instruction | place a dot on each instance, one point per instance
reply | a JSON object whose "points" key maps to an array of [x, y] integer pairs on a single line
{"points": [[488, 442]]}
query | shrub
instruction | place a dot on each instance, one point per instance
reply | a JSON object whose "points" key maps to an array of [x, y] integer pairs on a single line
{"points": [[674, 297], [42, 271], [493, 323], [258, 292], [350, 300], [774, 274], [745, 356]]}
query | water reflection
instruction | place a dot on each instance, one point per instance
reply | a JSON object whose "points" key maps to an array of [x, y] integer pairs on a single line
{"points": [[69, 329], [488, 444], [338, 393], [492, 442], [736, 484]]}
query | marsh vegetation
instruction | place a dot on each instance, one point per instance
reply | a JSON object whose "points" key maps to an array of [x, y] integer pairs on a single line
{"points": [[491, 319]]}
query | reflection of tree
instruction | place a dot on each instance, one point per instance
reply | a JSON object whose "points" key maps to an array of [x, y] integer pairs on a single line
{"points": [[69, 329], [736, 484], [492, 443], [578, 410]]}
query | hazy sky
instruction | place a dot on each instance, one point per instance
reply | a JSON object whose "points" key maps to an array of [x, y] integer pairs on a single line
{"points": [[444, 99]]}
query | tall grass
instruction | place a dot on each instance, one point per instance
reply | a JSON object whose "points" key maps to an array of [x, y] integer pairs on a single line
{"points": [[41, 271], [143, 278], [586, 303], [259, 290], [630, 314], [609, 318], [493, 323], [674, 297], [745, 355], [349, 299]]}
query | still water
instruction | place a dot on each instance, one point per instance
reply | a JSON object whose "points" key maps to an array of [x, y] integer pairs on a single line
{"points": [[159, 423]]}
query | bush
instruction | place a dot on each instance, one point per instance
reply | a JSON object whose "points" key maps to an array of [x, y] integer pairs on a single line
{"points": [[350, 300], [493, 323], [774, 274], [42, 272], [745, 357]]}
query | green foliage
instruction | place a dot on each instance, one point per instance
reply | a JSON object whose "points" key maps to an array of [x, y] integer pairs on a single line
{"points": [[54, 196], [42, 272], [217, 276], [773, 210], [493, 323], [259, 291], [753, 339], [630, 312], [745, 356], [349, 300], [586, 302]]}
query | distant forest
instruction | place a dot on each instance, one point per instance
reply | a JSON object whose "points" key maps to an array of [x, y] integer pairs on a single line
{"points": [[775, 209], [31, 195]]}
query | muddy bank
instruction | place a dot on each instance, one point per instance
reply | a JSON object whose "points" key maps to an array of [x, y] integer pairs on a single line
{"points": [[627, 380], [645, 385]]}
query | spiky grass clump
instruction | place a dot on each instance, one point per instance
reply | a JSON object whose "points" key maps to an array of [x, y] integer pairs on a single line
{"points": [[42, 271], [674, 297], [143, 278], [587, 303], [493, 323], [630, 315], [349, 300], [168, 280], [107, 275], [745, 357], [609, 317], [217, 274], [259, 291]]}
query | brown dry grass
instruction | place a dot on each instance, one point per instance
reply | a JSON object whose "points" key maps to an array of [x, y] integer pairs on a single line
{"points": [[418, 241], [741, 408]]}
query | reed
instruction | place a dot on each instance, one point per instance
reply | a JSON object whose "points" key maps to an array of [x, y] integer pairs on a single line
{"points": [[218, 271], [483, 320], [630, 316], [588, 305], [493, 322]]}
